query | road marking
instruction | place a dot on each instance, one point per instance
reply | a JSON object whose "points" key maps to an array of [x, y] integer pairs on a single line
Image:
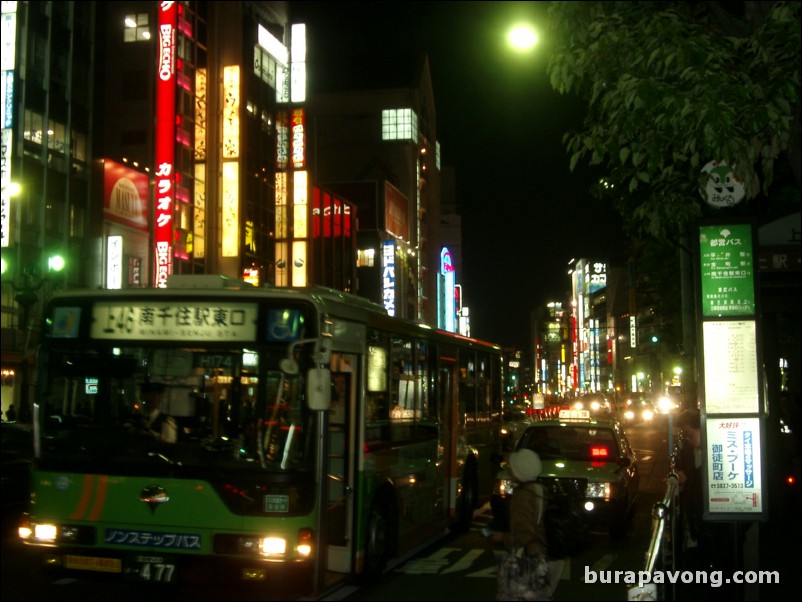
{"points": [[465, 562], [439, 563], [429, 565], [603, 562]]}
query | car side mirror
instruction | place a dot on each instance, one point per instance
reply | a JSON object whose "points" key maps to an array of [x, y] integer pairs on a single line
{"points": [[624, 462]]}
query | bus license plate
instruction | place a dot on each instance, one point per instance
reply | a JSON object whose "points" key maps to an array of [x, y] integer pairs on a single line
{"points": [[154, 568]]}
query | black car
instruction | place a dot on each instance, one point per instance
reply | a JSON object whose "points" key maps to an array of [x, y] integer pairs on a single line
{"points": [[17, 451], [587, 454]]}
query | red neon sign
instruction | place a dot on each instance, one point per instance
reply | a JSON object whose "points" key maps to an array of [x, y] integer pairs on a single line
{"points": [[165, 143]]}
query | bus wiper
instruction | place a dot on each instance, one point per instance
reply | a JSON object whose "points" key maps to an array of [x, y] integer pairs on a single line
{"points": [[163, 457]]}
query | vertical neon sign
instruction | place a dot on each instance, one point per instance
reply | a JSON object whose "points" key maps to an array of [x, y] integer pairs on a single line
{"points": [[165, 143], [388, 276], [448, 312]]}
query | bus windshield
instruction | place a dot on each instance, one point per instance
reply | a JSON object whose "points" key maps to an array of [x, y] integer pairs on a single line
{"points": [[182, 411]]}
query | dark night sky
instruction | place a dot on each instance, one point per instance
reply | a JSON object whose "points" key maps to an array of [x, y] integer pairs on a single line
{"points": [[499, 124]]}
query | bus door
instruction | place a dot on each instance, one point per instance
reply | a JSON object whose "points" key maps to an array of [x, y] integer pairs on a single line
{"points": [[448, 410], [341, 462]]}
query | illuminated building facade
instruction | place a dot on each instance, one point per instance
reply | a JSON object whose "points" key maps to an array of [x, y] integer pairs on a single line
{"points": [[47, 119], [591, 369], [150, 138], [192, 93], [378, 147], [224, 84]]}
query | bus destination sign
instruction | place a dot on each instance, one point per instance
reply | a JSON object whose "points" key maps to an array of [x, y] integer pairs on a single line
{"points": [[192, 321]]}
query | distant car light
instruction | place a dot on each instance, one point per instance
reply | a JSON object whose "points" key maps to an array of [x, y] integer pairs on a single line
{"points": [[666, 405]]}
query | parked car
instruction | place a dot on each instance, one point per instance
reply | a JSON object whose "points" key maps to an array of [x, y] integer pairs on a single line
{"points": [[589, 454], [16, 447], [515, 419]]}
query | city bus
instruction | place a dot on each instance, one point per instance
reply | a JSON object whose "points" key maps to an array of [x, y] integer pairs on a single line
{"points": [[211, 429]]}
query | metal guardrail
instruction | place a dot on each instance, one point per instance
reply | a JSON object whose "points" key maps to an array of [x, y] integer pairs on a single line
{"points": [[662, 546]]}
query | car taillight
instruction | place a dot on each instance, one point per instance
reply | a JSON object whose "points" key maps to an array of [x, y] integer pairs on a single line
{"points": [[598, 452]]}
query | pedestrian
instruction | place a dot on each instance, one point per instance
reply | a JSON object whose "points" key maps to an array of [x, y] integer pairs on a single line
{"points": [[702, 541], [525, 571], [11, 413]]}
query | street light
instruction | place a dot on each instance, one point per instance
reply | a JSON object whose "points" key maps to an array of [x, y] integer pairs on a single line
{"points": [[522, 38]]}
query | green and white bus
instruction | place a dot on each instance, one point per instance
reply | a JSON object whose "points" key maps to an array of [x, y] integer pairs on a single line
{"points": [[215, 430]]}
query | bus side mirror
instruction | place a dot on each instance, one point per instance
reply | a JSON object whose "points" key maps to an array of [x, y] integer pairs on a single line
{"points": [[318, 388]]}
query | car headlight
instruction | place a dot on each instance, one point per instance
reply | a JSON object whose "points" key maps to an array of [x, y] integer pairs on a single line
{"points": [[648, 414], [629, 414], [664, 405]]}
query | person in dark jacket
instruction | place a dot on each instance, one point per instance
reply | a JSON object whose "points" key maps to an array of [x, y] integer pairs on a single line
{"points": [[704, 543], [527, 532]]}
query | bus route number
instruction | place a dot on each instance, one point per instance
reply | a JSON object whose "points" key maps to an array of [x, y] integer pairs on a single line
{"points": [[210, 361], [155, 569]]}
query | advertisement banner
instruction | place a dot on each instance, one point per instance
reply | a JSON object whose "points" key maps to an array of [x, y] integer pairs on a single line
{"points": [[734, 483], [125, 195]]}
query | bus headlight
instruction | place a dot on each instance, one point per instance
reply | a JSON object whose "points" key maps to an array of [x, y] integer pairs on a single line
{"points": [[31, 532], [273, 546]]}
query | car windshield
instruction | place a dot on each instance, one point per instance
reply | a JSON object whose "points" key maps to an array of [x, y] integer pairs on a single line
{"points": [[571, 442]]}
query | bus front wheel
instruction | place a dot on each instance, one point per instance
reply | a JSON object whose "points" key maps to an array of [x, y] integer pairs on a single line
{"points": [[380, 542]]}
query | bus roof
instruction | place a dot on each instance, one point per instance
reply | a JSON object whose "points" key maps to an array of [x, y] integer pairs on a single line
{"points": [[332, 301]]}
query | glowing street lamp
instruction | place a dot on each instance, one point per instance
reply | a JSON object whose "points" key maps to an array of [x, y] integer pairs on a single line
{"points": [[522, 38]]}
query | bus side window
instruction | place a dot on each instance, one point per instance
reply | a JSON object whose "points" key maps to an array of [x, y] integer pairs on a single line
{"points": [[377, 414]]}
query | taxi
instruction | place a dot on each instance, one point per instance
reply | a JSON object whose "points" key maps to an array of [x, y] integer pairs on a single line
{"points": [[586, 454]]}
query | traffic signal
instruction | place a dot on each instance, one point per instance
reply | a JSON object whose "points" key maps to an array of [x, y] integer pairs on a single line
{"points": [[655, 338]]}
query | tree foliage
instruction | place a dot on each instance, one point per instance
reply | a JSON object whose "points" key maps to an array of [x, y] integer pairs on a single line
{"points": [[671, 86]]}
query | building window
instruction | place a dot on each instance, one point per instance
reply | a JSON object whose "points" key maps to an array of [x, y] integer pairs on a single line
{"points": [[136, 28], [34, 127], [365, 258], [399, 124]]}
